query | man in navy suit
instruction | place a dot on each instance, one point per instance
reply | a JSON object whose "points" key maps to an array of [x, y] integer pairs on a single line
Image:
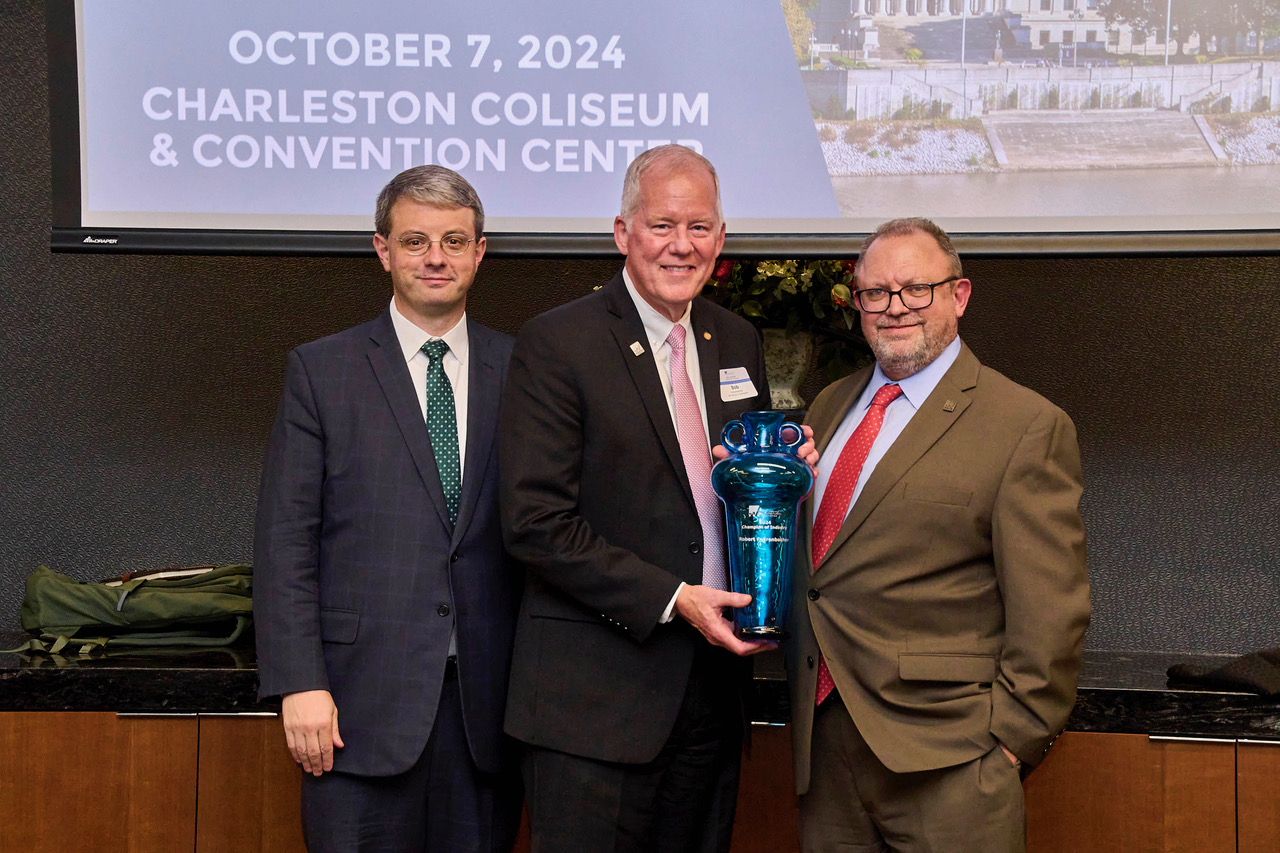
{"points": [[385, 604]]}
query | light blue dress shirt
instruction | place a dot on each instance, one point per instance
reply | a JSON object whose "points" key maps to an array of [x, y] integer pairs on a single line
{"points": [[915, 390]]}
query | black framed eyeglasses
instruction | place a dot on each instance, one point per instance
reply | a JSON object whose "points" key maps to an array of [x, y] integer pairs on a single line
{"points": [[876, 300], [420, 244]]}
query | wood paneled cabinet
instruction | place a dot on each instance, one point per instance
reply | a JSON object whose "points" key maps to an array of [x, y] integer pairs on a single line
{"points": [[1094, 792], [249, 788], [1257, 796], [90, 782], [1133, 792], [98, 782], [84, 782]]}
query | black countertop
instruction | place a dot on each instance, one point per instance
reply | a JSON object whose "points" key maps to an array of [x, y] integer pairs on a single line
{"points": [[1129, 692], [163, 681], [1119, 691]]}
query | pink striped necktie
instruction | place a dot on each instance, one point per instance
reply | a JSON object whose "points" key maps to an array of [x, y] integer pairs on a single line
{"points": [[697, 462], [838, 493]]}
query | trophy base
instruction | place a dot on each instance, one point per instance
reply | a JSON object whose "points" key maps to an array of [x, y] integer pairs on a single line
{"points": [[761, 632]]}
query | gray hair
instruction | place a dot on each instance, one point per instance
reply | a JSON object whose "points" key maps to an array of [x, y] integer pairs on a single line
{"points": [[913, 225], [667, 159], [433, 185]]}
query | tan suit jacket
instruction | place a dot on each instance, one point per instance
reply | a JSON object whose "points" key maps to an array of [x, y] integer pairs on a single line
{"points": [[953, 603]]}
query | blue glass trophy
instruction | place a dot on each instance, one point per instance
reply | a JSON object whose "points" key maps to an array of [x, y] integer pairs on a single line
{"points": [[761, 486]]}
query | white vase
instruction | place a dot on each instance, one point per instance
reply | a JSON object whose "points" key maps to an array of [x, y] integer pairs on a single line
{"points": [[786, 362]]}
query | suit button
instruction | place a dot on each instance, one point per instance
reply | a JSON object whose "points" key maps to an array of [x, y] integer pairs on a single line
{"points": [[695, 548], [814, 595], [810, 661], [453, 558], [443, 610]]}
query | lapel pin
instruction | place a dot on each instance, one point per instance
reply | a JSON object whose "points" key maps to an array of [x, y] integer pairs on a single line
{"points": [[706, 335], [949, 406], [636, 349]]}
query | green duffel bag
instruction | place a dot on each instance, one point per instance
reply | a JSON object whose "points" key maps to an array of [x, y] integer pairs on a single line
{"points": [[197, 606]]}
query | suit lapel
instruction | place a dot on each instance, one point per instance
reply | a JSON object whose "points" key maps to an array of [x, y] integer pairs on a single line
{"points": [[926, 427], [844, 395], [483, 395], [628, 330], [392, 373], [824, 424]]}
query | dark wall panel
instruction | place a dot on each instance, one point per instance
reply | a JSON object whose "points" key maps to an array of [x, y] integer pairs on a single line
{"points": [[137, 392]]}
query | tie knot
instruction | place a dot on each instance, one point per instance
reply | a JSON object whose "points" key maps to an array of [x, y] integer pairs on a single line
{"points": [[676, 338], [435, 350], [886, 395]]}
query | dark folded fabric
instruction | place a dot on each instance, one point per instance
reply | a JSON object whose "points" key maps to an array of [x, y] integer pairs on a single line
{"points": [[1256, 672]]}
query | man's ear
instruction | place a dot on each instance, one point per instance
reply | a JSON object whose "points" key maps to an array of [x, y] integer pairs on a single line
{"points": [[383, 248], [963, 290], [620, 234]]}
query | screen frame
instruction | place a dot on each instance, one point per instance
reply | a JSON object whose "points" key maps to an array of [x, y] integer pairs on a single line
{"points": [[67, 234]]}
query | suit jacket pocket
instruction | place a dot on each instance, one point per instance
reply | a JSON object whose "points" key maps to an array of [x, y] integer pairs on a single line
{"points": [[338, 626], [936, 493], [959, 668], [557, 606]]}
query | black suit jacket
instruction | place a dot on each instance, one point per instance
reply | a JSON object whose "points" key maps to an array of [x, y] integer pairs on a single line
{"points": [[358, 574], [596, 505]]}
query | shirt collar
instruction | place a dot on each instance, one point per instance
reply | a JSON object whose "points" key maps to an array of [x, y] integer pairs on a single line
{"points": [[656, 326], [412, 338], [918, 386]]}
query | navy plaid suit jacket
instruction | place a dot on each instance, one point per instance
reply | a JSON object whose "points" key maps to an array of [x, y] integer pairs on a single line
{"points": [[358, 575]]}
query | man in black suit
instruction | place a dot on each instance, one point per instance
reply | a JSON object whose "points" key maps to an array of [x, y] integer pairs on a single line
{"points": [[626, 677], [385, 603]]}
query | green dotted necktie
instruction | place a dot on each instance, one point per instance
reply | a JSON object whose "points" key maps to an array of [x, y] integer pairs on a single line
{"points": [[442, 424]]}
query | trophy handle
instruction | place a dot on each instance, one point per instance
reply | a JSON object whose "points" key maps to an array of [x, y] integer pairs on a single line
{"points": [[792, 446], [734, 446]]}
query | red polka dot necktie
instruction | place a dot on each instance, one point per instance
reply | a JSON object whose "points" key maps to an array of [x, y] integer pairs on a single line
{"points": [[697, 462], [838, 493]]}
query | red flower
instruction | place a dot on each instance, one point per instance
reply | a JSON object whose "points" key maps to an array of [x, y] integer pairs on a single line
{"points": [[848, 266], [724, 269], [841, 296]]}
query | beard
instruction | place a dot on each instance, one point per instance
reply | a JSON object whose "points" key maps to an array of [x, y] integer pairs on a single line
{"points": [[902, 358]]}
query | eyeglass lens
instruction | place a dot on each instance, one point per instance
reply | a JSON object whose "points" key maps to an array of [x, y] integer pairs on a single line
{"points": [[913, 296], [450, 244]]}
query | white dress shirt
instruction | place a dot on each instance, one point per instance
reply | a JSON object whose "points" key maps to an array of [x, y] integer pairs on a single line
{"points": [[656, 328], [455, 368]]}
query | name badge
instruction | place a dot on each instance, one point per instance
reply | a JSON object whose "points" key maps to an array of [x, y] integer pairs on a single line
{"points": [[736, 384]]}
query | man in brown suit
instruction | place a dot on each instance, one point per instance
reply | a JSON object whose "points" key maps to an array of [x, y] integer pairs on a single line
{"points": [[943, 599]]}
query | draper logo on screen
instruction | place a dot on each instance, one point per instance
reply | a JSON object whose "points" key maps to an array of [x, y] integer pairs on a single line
{"points": [[109, 241]]}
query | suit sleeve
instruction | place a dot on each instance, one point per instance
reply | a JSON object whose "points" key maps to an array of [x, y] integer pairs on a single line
{"points": [[543, 450], [286, 544], [1038, 541]]}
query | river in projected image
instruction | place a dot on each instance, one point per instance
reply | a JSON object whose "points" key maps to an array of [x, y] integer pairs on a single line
{"points": [[1199, 197]]}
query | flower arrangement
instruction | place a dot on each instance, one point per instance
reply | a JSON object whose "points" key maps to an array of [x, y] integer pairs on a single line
{"points": [[813, 296]]}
